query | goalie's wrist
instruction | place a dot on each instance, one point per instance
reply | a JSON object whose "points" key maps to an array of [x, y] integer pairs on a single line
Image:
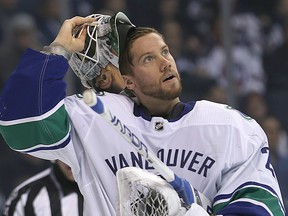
{"points": [[56, 50]]}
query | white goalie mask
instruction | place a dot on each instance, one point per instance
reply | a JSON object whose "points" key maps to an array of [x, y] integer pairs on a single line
{"points": [[103, 43]]}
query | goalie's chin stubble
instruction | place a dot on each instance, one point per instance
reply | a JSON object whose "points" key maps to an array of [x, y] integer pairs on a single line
{"points": [[164, 93]]}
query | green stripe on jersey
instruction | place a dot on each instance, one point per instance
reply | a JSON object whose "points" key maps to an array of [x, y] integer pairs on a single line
{"points": [[46, 131], [257, 194]]}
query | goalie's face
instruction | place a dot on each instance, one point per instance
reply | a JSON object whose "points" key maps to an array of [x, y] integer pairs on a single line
{"points": [[154, 71]]}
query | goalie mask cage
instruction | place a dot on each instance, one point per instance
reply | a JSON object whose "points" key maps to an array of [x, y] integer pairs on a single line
{"points": [[141, 193]]}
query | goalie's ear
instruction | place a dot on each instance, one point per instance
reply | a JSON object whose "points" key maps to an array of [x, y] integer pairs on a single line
{"points": [[129, 82], [104, 80], [110, 79]]}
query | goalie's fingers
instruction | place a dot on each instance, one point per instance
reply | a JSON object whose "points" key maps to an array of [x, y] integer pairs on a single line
{"points": [[65, 36], [78, 21]]}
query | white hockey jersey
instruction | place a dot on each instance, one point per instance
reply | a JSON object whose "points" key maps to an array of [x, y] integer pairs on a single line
{"points": [[220, 151]]}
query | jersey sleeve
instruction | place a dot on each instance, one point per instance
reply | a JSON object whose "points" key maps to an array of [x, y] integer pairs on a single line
{"points": [[32, 111], [248, 185]]}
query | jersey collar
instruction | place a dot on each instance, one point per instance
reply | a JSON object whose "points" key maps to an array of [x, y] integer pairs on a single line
{"points": [[177, 112]]}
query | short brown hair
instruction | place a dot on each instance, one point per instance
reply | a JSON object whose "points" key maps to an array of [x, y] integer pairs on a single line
{"points": [[125, 58]]}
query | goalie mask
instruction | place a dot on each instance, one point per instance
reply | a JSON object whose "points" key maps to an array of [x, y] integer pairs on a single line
{"points": [[105, 38]]}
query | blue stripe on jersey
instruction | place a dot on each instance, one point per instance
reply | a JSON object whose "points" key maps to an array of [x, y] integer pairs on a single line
{"points": [[24, 91], [226, 196], [59, 146], [248, 197], [244, 208]]}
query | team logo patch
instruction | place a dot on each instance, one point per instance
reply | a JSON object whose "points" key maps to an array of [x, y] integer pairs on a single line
{"points": [[159, 126], [241, 113]]}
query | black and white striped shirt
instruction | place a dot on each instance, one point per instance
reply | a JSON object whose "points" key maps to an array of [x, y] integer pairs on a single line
{"points": [[48, 193]]}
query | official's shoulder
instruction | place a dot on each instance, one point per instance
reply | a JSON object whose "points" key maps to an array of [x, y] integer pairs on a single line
{"points": [[36, 178]]}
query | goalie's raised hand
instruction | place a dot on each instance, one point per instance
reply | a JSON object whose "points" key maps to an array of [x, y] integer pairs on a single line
{"points": [[65, 36]]}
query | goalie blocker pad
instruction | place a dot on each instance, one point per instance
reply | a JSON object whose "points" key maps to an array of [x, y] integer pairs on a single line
{"points": [[143, 193]]}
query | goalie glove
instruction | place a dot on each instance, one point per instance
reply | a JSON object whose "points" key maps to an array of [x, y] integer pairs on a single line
{"points": [[143, 193]]}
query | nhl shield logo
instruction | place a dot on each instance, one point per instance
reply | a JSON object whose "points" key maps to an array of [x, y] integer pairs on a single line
{"points": [[159, 126]]}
